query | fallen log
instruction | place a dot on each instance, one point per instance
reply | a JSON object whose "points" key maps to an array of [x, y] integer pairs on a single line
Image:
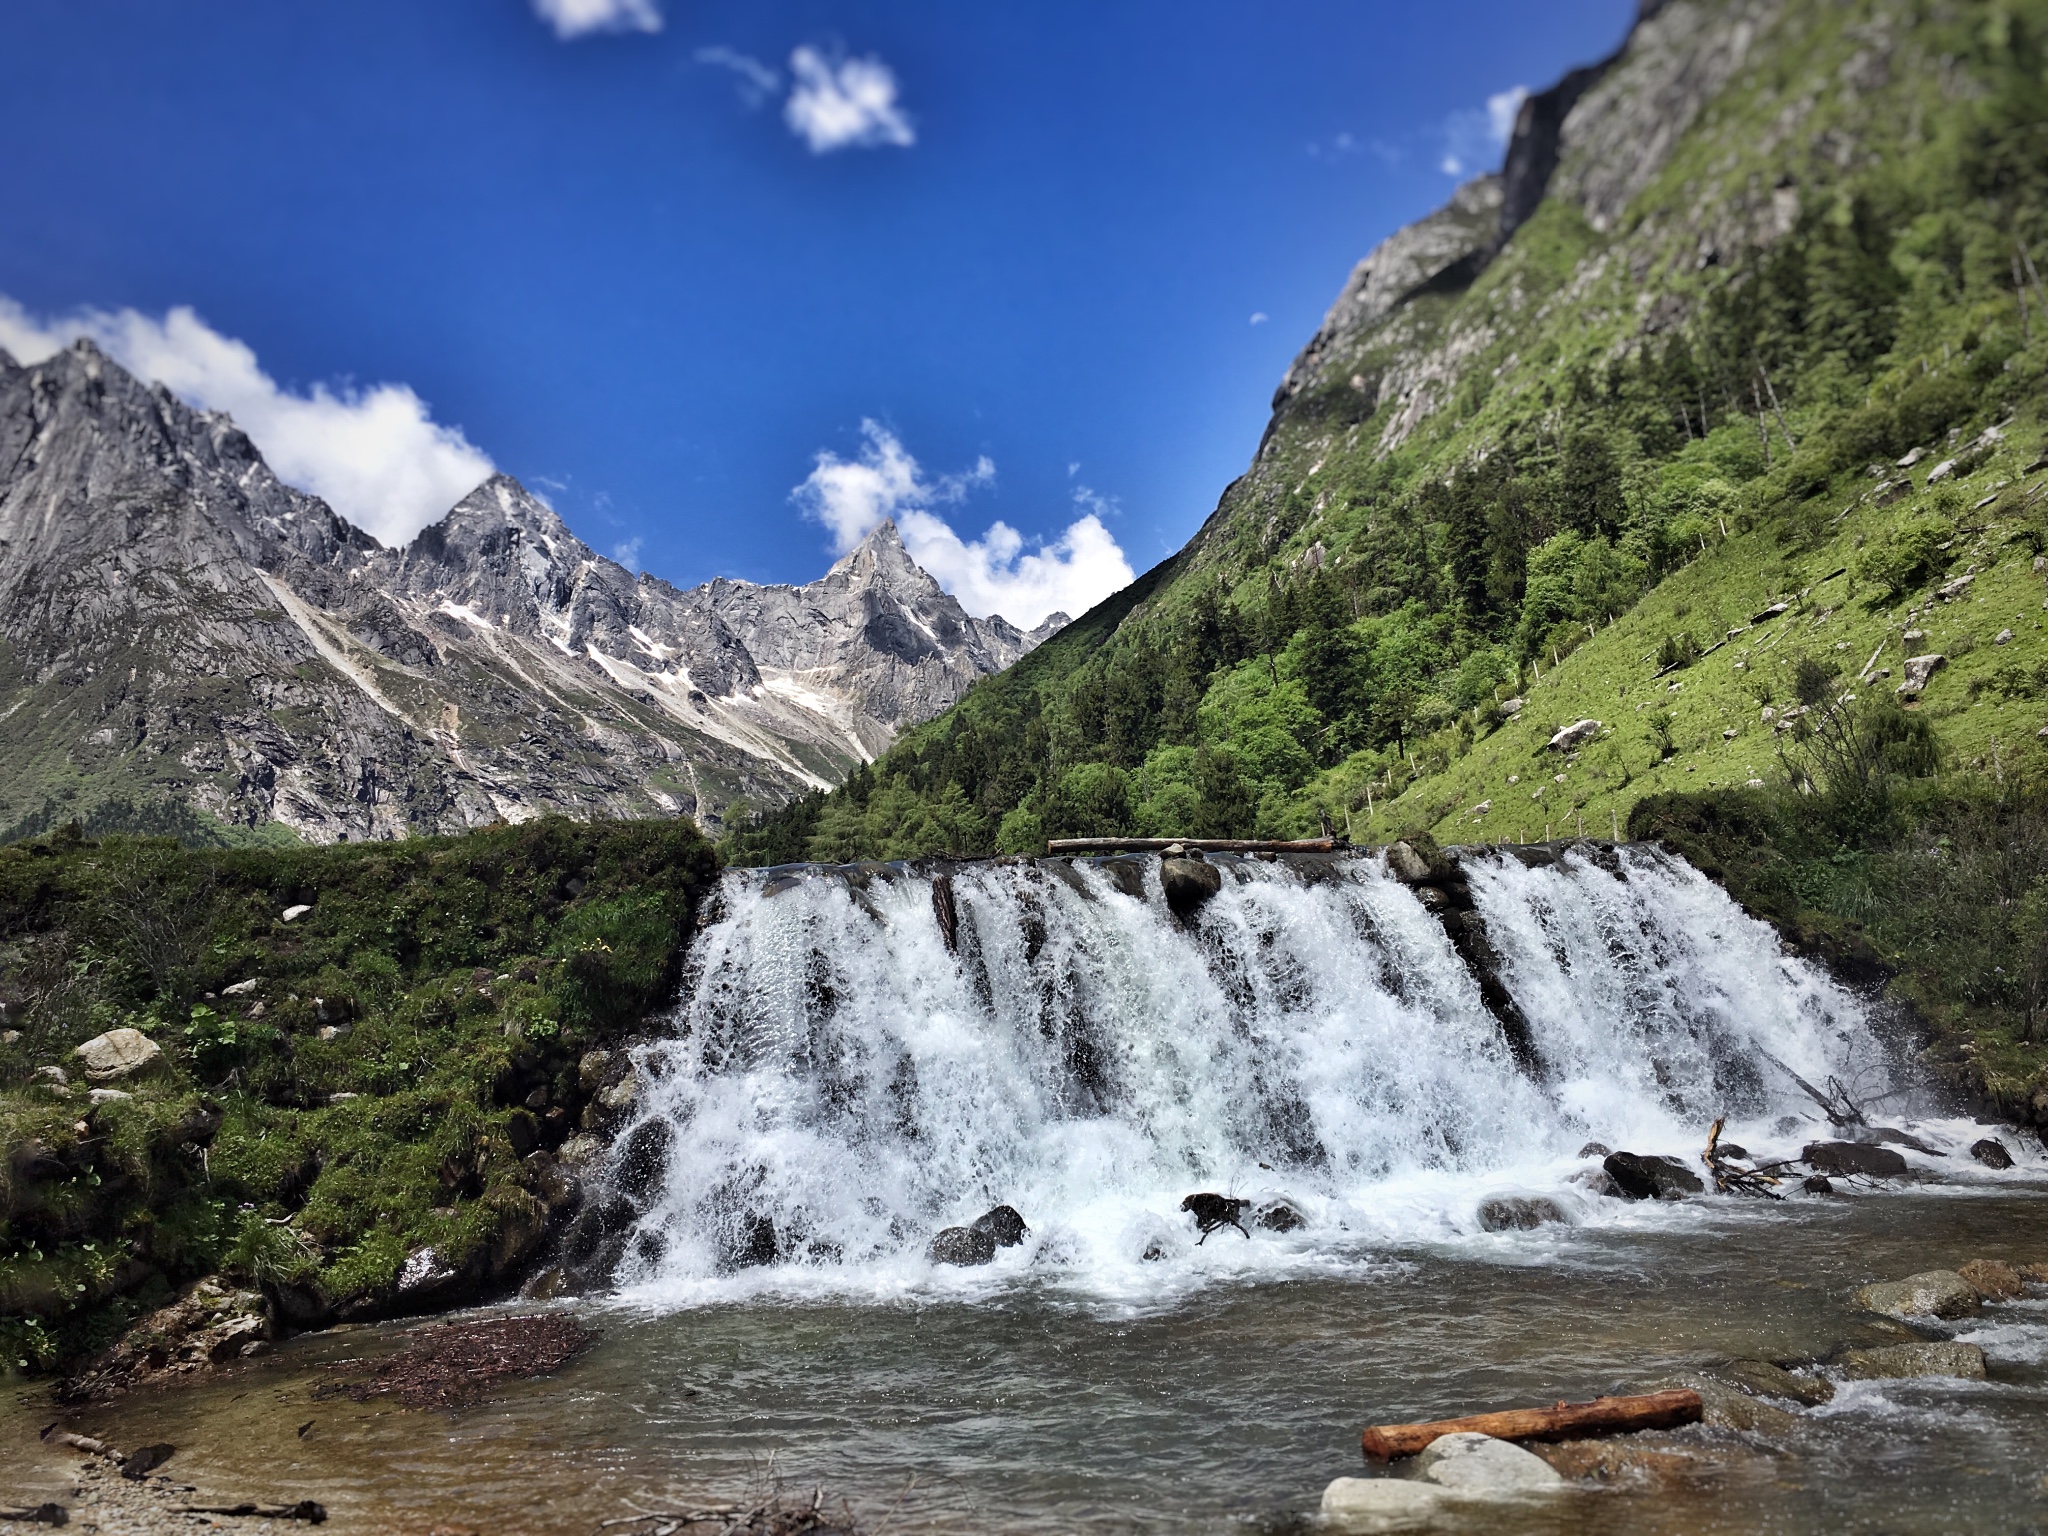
{"points": [[306, 1509], [1567, 1421], [1060, 845]]}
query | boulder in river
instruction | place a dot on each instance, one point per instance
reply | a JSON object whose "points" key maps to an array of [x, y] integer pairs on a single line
{"points": [[1479, 1464], [1993, 1279], [1003, 1223], [1847, 1157], [1991, 1153], [1279, 1216], [1817, 1184], [1641, 1177], [1895, 1362], [1764, 1379], [963, 1246], [1932, 1293], [1518, 1213], [1595, 1149], [118, 1053], [1187, 884], [1375, 1501]]}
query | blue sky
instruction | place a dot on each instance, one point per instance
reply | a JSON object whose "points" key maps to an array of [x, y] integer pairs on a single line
{"points": [[655, 257]]}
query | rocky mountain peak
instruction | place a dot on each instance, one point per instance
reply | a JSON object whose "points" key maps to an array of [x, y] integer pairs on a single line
{"points": [[187, 630]]}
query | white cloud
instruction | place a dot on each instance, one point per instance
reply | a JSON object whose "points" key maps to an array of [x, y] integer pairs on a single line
{"points": [[851, 104], [995, 573], [1260, 317], [757, 82], [375, 455], [628, 554], [1477, 135], [1502, 108], [580, 18]]}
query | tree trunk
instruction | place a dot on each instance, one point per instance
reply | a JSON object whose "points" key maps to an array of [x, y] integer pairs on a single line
{"points": [[1567, 1421]]}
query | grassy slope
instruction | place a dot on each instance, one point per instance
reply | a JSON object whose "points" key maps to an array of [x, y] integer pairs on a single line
{"points": [[412, 1040]]}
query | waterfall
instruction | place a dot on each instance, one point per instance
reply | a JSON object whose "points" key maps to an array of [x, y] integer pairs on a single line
{"points": [[840, 1083]]}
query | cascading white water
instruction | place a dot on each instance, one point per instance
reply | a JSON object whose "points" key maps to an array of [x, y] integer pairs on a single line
{"points": [[840, 1085]]}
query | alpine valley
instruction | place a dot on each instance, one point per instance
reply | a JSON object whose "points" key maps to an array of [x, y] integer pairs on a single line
{"points": [[189, 645]]}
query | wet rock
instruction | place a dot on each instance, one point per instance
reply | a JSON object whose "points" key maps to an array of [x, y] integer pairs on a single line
{"points": [[1932, 1293], [1126, 875], [641, 1165], [1003, 1223], [118, 1053], [1279, 1216], [1596, 1182], [1817, 1184], [1727, 1407], [1212, 1211], [1518, 1213], [424, 1275], [1896, 1137], [1640, 1177], [1188, 883], [1480, 1464], [1852, 1157], [209, 1323], [946, 911], [1595, 1149], [145, 1459], [590, 1070], [1630, 1462], [964, 1246], [757, 1245], [1407, 863], [1763, 1379], [1991, 1153], [1992, 1279], [1372, 1501], [1898, 1362]]}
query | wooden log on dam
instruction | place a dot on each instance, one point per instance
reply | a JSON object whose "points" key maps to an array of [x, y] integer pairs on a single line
{"points": [[1567, 1421], [1084, 845]]}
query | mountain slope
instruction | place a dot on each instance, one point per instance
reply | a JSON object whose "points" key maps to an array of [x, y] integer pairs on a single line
{"points": [[1573, 429], [188, 644]]}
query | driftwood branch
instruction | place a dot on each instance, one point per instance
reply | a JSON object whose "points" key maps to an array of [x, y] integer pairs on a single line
{"points": [[1567, 1421], [1061, 845]]}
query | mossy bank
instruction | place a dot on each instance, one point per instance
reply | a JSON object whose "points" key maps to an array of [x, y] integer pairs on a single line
{"points": [[362, 1056]]}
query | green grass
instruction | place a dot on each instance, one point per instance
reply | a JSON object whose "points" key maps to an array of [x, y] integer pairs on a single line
{"points": [[410, 1037]]}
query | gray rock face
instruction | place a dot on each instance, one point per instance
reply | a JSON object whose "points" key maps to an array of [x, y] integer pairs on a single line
{"points": [[178, 626]]}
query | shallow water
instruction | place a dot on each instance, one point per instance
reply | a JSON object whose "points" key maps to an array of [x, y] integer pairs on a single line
{"points": [[838, 1084], [1225, 1410]]}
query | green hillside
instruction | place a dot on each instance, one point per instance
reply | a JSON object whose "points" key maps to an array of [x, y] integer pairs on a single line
{"points": [[1582, 479]]}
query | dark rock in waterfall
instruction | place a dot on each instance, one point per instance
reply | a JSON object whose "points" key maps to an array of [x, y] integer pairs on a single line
{"points": [[963, 1246], [1730, 1149], [1872, 1134], [1279, 1216], [1990, 1153], [757, 1244], [642, 1163], [1817, 1184], [1003, 1223], [1518, 1213], [1188, 883], [1126, 874], [1595, 1149], [1212, 1211], [1651, 1178], [1849, 1157], [944, 909]]}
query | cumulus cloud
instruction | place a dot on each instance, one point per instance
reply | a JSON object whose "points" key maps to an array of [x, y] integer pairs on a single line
{"points": [[375, 455], [1000, 572], [580, 18], [850, 104], [757, 82]]}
